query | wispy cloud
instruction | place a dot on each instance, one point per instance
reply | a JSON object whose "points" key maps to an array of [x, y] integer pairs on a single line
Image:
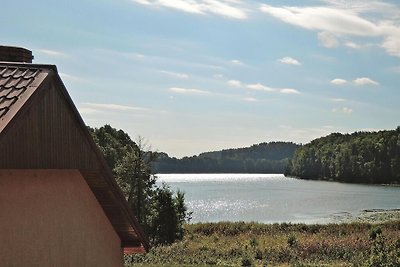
{"points": [[289, 61], [353, 45], [260, 87], [188, 91], [234, 9], [235, 83], [338, 99], [344, 110], [237, 62], [365, 81], [175, 74], [338, 81], [344, 19], [112, 107], [328, 40], [51, 53], [73, 78], [289, 91], [250, 99]]}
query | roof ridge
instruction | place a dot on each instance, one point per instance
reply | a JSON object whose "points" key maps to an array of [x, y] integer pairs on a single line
{"points": [[29, 65]]}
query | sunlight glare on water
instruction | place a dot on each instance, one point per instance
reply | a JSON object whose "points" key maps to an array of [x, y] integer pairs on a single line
{"points": [[274, 198]]}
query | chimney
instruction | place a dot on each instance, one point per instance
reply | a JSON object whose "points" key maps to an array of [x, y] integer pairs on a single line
{"points": [[15, 54]]}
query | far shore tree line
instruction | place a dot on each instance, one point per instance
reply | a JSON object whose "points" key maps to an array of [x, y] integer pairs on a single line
{"points": [[361, 157], [270, 157]]}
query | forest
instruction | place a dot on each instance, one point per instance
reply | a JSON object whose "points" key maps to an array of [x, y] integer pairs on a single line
{"points": [[361, 157], [261, 158]]}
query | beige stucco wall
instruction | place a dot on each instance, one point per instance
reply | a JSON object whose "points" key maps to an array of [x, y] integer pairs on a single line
{"points": [[51, 218]]}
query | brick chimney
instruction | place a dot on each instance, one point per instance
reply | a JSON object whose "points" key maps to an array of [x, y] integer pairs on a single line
{"points": [[15, 54]]}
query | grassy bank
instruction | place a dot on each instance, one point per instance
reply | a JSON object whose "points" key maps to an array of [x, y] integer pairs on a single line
{"points": [[253, 244]]}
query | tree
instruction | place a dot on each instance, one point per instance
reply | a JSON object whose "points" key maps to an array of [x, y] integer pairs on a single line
{"points": [[161, 213]]}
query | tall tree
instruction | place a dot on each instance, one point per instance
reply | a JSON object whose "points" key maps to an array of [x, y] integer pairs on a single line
{"points": [[156, 207]]}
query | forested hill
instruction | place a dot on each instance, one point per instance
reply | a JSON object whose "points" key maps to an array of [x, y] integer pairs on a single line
{"points": [[361, 157], [262, 158]]}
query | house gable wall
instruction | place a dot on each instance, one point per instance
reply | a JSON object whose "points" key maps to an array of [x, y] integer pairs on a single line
{"points": [[51, 218], [47, 135]]}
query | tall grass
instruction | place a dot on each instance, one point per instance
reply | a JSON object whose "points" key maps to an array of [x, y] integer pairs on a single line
{"points": [[254, 244]]}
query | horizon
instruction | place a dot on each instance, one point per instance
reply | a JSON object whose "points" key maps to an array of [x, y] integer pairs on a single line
{"points": [[198, 76], [299, 144]]}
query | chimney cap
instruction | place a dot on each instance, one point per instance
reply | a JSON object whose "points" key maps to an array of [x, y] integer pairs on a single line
{"points": [[15, 54]]}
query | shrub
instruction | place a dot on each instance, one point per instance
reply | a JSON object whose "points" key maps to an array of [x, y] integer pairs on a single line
{"points": [[291, 240], [375, 232], [246, 261], [253, 242]]}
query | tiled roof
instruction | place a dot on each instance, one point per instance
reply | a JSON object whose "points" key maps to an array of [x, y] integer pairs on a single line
{"points": [[14, 81]]}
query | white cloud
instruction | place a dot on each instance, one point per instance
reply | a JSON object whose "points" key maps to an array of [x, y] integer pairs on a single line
{"points": [[250, 99], [289, 91], [343, 110], [338, 81], [143, 2], [234, 83], [328, 40], [260, 87], [342, 19], [175, 74], [51, 53], [95, 107], [73, 78], [353, 45], [391, 43], [329, 19], [189, 91], [338, 99], [227, 8], [237, 62], [218, 76], [365, 81], [289, 61]]}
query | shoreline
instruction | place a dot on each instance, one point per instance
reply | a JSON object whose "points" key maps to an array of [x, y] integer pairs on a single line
{"points": [[374, 216]]}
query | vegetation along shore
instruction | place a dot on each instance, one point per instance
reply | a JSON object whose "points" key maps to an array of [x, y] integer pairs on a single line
{"points": [[360, 243]]}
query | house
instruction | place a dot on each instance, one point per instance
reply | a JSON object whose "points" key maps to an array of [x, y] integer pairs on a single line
{"points": [[59, 203]]}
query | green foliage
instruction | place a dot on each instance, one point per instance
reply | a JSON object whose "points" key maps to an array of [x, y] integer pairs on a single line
{"points": [[161, 212], [262, 158], [375, 232], [360, 157]]}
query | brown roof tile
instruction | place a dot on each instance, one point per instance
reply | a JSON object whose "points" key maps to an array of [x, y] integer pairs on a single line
{"points": [[13, 83]]}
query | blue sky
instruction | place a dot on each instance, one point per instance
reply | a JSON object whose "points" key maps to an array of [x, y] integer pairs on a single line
{"points": [[199, 75]]}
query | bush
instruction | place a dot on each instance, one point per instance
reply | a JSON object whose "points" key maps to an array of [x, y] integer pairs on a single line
{"points": [[247, 262], [291, 240], [375, 232]]}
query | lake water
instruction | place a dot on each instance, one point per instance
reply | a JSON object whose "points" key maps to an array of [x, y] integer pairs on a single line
{"points": [[271, 198]]}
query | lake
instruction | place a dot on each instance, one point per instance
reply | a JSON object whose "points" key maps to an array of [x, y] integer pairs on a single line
{"points": [[271, 198]]}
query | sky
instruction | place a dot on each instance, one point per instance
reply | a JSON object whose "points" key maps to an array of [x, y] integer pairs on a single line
{"points": [[202, 75]]}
